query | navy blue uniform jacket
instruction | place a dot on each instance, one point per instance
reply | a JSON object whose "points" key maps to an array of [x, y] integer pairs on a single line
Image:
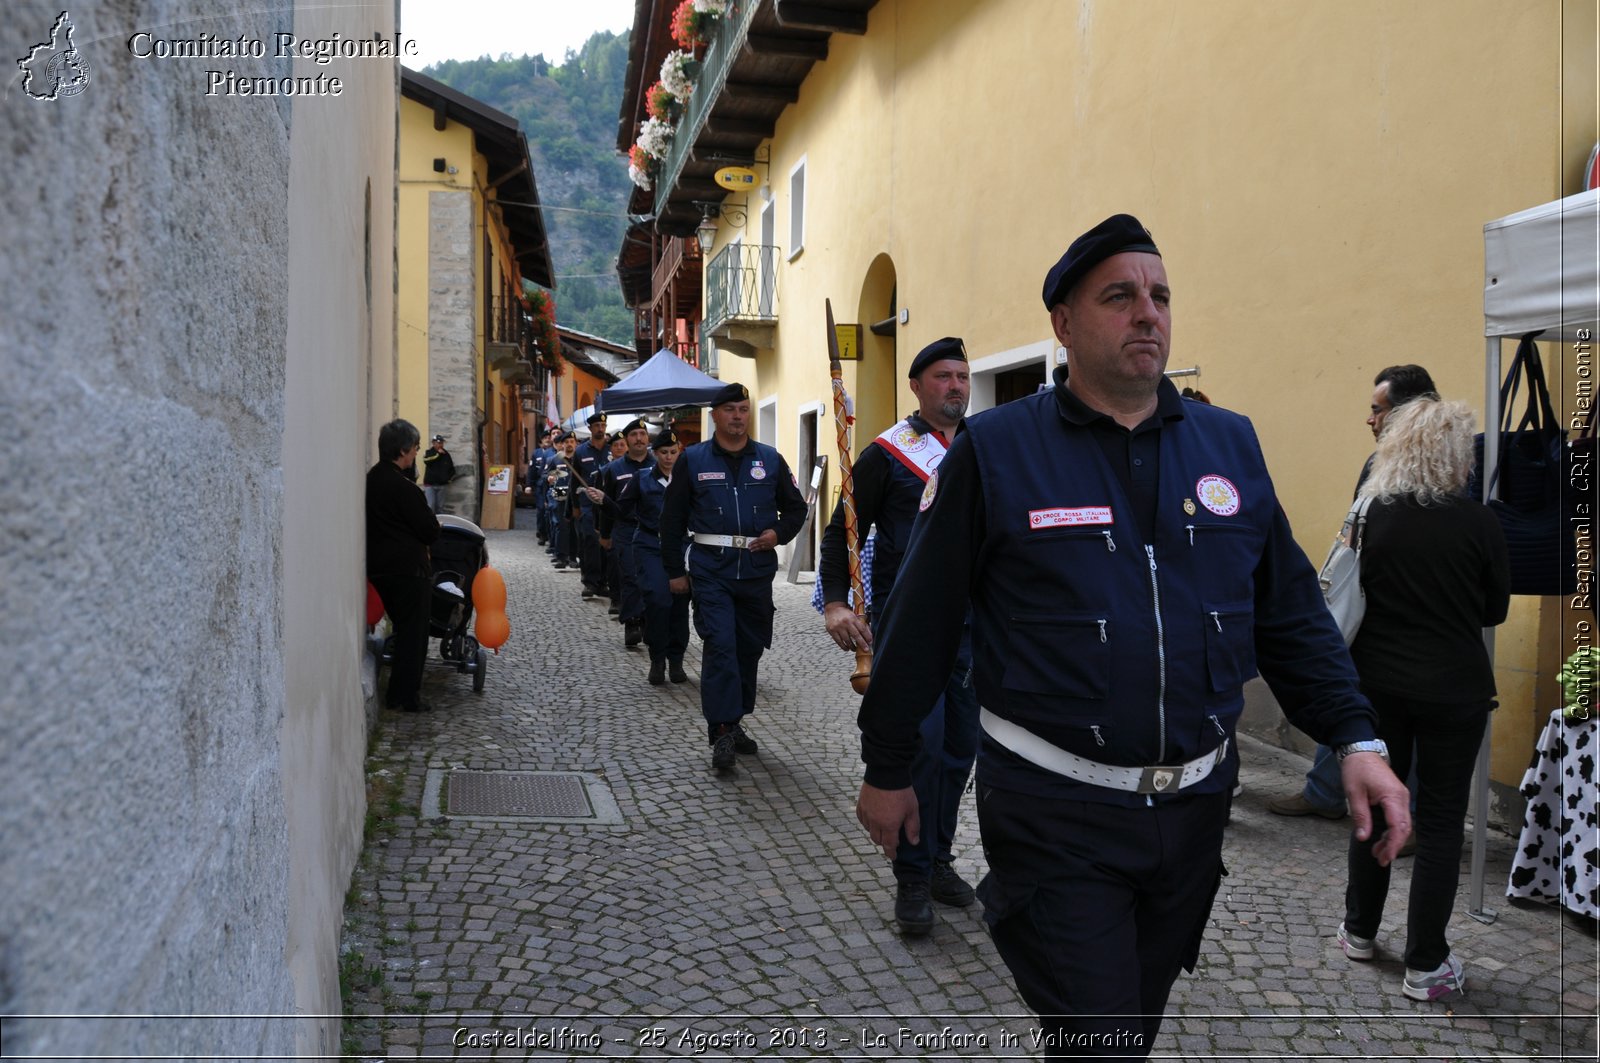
{"points": [[1120, 651], [728, 494]]}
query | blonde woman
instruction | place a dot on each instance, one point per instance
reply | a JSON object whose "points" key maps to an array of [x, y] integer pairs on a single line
{"points": [[1435, 572]]}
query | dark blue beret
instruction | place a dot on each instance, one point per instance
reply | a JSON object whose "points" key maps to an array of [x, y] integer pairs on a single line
{"points": [[948, 348], [596, 416], [634, 425], [731, 393], [1118, 233], [664, 438]]}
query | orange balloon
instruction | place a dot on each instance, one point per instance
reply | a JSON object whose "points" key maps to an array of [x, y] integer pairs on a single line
{"points": [[489, 591], [493, 628]]}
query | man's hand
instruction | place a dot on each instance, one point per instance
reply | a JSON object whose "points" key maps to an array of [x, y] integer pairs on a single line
{"points": [[1368, 782], [605, 544], [678, 585], [767, 540], [595, 494], [845, 628], [885, 813]]}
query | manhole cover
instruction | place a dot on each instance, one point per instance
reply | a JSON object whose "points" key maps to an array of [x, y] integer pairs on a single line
{"points": [[549, 796], [481, 793]]}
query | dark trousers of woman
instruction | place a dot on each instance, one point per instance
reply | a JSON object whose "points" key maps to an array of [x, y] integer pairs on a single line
{"points": [[1446, 737], [666, 615], [407, 600]]}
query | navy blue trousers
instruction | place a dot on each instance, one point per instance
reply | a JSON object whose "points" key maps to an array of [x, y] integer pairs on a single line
{"points": [[631, 603], [666, 615], [1095, 909], [591, 559], [734, 620]]}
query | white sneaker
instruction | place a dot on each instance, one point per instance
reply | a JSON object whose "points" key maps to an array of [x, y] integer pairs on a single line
{"points": [[1356, 948], [1448, 977]]}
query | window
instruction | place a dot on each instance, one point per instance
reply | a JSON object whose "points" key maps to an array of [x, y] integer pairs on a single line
{"points": [[797, 210]]}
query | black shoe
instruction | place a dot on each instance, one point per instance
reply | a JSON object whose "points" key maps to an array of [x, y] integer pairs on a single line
{"points": [[912, 909], [658, 672], [588, 595], [722, 752], [541, 542], [559, 565], [676, 673], [633, 633], [947, 887], [742, 743], [614, 610]]}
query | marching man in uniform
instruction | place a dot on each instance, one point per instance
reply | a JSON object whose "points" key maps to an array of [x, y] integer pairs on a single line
{"points": [[890, 477], [740, 502], [1126, 577]]}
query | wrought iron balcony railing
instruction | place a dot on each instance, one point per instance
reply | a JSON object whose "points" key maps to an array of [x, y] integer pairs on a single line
{"points": [[741, 285]]}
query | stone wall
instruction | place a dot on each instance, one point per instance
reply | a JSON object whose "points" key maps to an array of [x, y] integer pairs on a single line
{"points": [[452, 370], [148, 859]]}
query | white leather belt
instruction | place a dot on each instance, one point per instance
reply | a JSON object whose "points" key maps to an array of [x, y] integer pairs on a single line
{"points": [[1156, 779], [738, 542]]}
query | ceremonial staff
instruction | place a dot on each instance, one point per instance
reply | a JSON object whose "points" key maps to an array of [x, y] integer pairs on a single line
{"points": [[843, 418]]}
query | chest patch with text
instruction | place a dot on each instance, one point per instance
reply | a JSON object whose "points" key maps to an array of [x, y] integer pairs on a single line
{"points": [[1069, 517]]}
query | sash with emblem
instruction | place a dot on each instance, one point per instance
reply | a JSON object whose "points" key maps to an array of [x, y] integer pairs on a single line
{"points": [[919, 453]]}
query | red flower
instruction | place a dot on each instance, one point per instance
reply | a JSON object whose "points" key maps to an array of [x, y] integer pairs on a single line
{"points": [[686, 27]]}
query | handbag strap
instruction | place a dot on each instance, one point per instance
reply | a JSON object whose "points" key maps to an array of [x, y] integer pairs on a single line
{"points": [[1539, 417], [1356, 521]]}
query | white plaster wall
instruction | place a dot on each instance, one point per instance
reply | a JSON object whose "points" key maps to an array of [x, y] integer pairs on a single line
{"points": [[177, 819], [340, 339]]}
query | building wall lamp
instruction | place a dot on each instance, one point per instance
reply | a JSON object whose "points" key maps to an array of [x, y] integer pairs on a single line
{"points": [[705, 233]]}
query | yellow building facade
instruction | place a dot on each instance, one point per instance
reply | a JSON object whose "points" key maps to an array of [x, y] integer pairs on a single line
{"points": [[1317, 176], [468, 234]]}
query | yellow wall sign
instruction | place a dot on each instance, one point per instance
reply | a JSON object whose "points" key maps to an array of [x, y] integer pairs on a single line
{"points": [[849, 337], [736, 178]]}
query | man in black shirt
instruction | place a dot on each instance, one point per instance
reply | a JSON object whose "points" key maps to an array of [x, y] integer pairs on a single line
{"points": [[438, 469], [1323, 792]]}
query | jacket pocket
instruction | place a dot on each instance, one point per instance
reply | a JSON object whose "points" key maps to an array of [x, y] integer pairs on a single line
{"points": [[1062, 656], [1230, 632]]}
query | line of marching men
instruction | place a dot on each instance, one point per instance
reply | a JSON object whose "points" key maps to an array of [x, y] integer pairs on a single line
{"points": [[599, 514]]}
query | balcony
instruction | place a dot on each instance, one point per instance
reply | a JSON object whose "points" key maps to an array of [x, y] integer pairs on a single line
{"points": [[726, 38], [506, 334], [741, 287]]}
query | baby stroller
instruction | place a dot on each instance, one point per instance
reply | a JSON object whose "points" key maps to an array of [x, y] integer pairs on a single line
{"points": [[458, 554]]}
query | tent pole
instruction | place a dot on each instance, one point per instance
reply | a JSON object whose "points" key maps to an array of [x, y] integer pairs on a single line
{"points": [[1480, 789]]}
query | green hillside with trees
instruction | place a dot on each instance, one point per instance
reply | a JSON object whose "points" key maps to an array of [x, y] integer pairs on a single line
{"points": [[569, 113]]}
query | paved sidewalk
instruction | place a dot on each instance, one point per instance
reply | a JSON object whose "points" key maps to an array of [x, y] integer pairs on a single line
{"points": [[749, 916]]}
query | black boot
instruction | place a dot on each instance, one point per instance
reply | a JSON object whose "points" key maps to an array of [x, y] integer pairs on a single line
{"points": [[675, 671], [913, 908], [658, 671], [633, 633]]}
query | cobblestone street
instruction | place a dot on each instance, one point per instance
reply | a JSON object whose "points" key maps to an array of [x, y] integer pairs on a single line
{"points": [[749, 916]]}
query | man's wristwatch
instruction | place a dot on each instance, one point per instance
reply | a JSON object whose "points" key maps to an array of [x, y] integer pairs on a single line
{"points": [[1375, 745]]}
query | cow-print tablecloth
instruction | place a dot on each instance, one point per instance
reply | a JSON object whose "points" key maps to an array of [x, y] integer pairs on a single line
{"points": [[1559, 850]]}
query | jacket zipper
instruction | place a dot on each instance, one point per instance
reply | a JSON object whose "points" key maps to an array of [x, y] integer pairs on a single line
{"points": [[1161, 658]]}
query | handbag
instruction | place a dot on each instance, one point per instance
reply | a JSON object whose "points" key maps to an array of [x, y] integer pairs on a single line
{"points": [[1341, 572], [1529, 474]]}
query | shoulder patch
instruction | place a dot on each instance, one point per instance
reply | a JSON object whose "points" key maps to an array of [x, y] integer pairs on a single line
{"points": [[928, 491]]}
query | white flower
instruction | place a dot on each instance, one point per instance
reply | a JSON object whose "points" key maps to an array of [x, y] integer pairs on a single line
{"points": [[655, 136], [711, 7], [675, 74], [638, 177]]}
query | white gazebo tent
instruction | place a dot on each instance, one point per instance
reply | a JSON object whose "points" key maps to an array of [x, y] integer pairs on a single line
{"points": [[1541, 271]]}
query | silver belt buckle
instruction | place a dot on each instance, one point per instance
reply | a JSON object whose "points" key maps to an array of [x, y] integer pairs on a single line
{"points": [[1159, 778], [737, 541]]}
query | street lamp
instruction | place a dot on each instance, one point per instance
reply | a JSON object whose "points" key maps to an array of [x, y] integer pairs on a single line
{"points": [[706, 233]]}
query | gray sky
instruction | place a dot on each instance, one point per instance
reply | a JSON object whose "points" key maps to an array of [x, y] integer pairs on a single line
{"points": [[467, 29]]}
